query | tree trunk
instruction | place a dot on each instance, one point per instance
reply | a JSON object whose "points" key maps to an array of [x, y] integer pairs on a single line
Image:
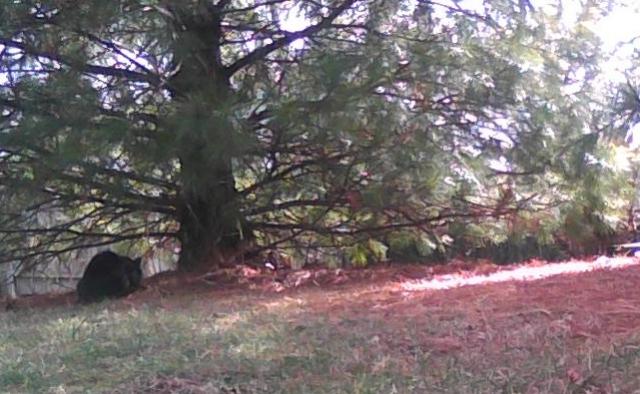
{"points": [[208, 211], [211, 226]]}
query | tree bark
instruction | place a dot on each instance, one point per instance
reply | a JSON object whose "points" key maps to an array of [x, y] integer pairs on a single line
{"points": [[211, 225], [208, 213]]}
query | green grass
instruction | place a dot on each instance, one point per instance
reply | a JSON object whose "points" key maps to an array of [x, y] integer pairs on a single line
{"points": [[284, 346]]}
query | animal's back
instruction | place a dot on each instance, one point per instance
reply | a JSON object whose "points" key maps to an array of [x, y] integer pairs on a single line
{"points": [[102, 263]]}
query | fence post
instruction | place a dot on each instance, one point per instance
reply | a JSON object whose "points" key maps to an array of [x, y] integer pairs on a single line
{"points": [[9, 280]]}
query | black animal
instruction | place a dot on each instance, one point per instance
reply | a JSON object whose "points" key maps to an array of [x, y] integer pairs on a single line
{"points": [[109, 275]]}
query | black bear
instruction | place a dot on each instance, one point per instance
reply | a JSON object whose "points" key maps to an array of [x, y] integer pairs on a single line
{"points": [[109, 275]]}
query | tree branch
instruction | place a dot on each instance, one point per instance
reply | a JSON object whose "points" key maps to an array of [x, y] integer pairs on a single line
{"points": [[262, 52], [84, 68]]}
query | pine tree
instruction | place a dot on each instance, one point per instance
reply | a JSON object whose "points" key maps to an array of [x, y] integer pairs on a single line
{"points": [[211, 123]]}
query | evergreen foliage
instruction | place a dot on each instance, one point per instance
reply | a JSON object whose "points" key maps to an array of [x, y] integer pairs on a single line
{"points": [[379, 129]]}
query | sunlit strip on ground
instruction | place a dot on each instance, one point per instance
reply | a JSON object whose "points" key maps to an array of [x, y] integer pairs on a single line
{"points": [[523, 273]]}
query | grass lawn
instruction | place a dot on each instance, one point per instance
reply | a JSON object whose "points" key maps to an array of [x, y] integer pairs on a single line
{"points": [[571, 333]]}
